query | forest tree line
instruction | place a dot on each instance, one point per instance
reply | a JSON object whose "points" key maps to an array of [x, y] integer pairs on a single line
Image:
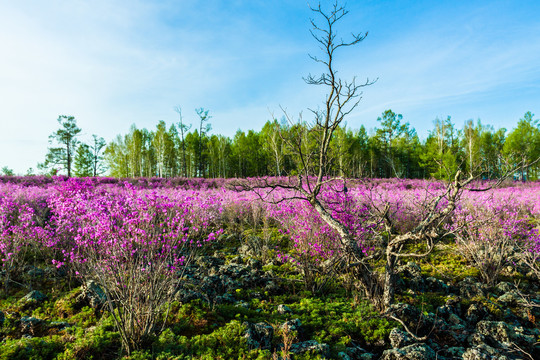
{"points": [[392, 149]]}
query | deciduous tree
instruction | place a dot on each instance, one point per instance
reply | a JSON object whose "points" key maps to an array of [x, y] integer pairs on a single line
{"points": [[522, 145]]}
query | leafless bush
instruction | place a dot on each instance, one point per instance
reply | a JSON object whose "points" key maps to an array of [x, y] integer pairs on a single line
{"points": [[288, 336], [490, 257], [529, 255]]}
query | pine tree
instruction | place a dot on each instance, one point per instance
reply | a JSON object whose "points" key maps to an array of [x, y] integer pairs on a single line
{"points": [[66, 139]]}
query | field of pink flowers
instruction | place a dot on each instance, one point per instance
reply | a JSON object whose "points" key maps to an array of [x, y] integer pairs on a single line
{"points": [[66, 219], [135, 238]]}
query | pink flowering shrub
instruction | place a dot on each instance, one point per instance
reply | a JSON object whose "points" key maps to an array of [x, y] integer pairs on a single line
{"points": [[19, 233], [134, 238], [134, 244], [315, 247], [494, 229]]}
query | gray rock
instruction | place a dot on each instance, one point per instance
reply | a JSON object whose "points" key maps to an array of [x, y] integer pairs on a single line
{"points": [[35, 296], [225, 299], [359, 353], [259, 336], [34, 272], [412, 275], [469, 288], [452, 306], [445, 311], [284, 309], [29, 324], [498, 331], [411, 352], [454, 319], [454, 352], [93, 294], [186, 295], [411, 269], [214, 285], [60, 325], [527, 337], [415, 320], [234, 270], [483, 352], [208, 262], [475, 313], [292, 325], [399, 338], [509, 298], [242, 304], [436, 285], [310, 346], [494, 338], [476, 339], [510, 318], [364, 356], [475, 354], [367, 356], [460, 333], [503, 287]]}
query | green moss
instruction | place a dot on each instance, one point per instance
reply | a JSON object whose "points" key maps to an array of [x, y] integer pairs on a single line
{"points": [[338, 320], [86, 317], [31, 349], [99, 342], [445, 262], [226, 342]]}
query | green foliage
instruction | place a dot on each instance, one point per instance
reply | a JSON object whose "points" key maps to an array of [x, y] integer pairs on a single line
{"points": [[66, 140], [447, 263], [392, 149], [522, 145], [31, 348], [83, 163], [86, 317], [7, 171], [226, 342], [99, 342], [67, 305], [338, 321]]}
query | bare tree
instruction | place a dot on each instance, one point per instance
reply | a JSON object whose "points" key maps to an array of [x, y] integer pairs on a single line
{"points": [[183, 130], [203, 130], [314, 162], [391, 243]]}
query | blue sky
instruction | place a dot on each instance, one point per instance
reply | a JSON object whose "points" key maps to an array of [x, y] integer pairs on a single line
{"points": [[112, 63]]}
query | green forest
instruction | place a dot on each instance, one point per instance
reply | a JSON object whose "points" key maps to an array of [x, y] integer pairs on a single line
{"points": [[392, 149]]}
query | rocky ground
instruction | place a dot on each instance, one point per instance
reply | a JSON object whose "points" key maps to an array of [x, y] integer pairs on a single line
{"points": [[441, 318]]}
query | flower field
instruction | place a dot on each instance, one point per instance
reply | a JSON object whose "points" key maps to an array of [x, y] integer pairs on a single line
{"points": [[145, 246]]}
